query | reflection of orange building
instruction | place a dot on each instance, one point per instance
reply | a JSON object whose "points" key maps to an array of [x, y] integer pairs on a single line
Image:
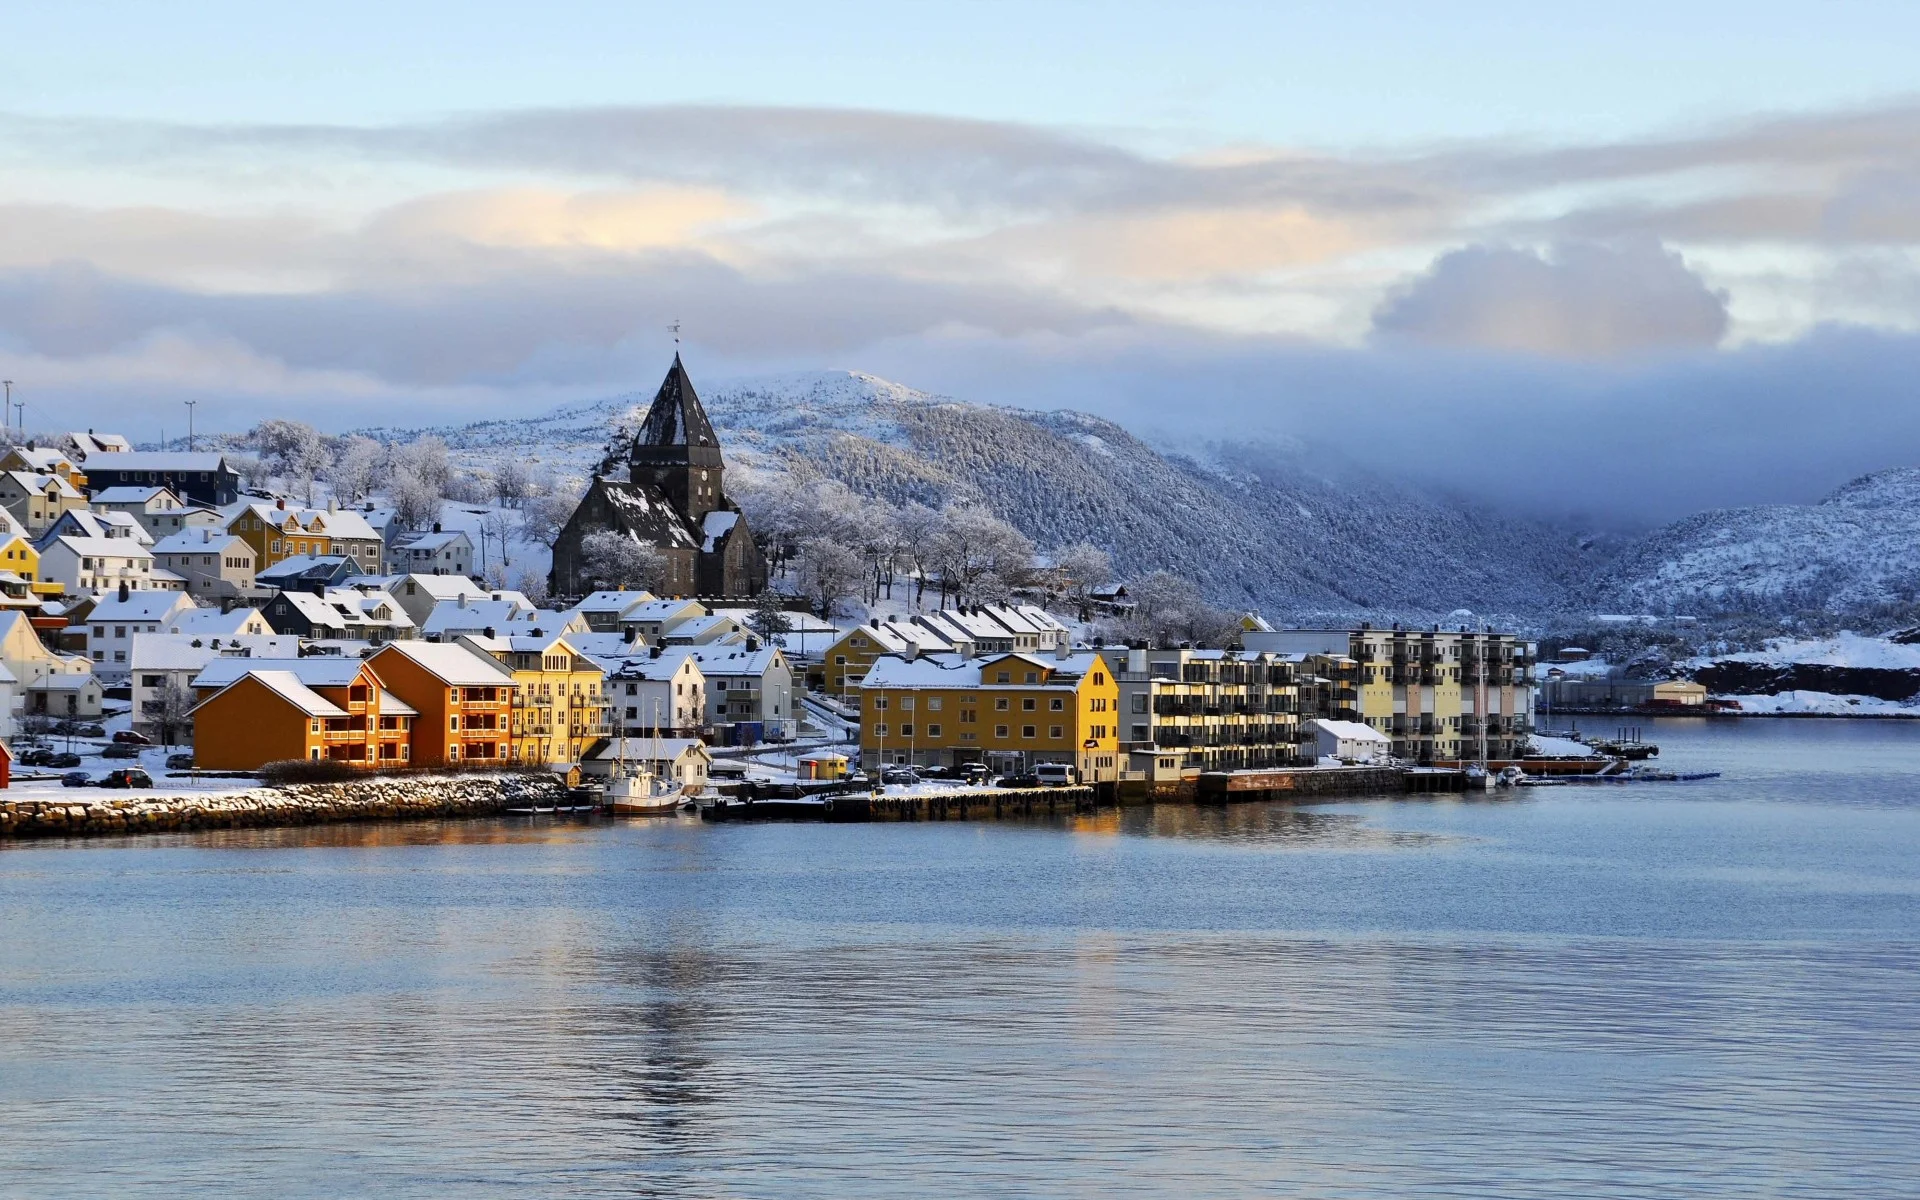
{"points": [[254, 711], [462, 697]]}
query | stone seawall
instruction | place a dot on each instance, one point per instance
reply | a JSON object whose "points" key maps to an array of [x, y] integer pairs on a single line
{"points": [[393, 798]]}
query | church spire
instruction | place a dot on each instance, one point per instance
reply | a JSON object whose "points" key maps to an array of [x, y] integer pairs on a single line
{"points": [[676, 418]]}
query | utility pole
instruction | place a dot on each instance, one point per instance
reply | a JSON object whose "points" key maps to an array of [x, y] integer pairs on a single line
{"points": [[9, 415], [190, 405]]}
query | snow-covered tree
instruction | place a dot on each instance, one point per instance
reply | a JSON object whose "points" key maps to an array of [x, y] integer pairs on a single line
{"points": [[769, 618], [616, 561], [829, 572], [512, 483], [1086, 569], [356, 468], [416, 503], [974, 543]]}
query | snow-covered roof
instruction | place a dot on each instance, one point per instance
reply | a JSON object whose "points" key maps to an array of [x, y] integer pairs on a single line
{"points": [[33, 481], [800, 621], [735, 660], [646, 749], [42, 458], [650, 667], [343, 523], [1350, 731], [320, 670], [211, 622], [613, 601], [192, 652], [695, 627], [453, 663], [927, 670], [606, 649], [452, 616], [301, 564], [142, 605], [100, 443], [203, 539], [289, 687], [661, 610], [432, 542], [441, 587], [165, 462], [130, 494], [104, 547]]}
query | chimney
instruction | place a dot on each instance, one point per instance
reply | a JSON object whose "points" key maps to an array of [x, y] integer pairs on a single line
{"points": [[461, 600], [487, 632], [436, 527], [753, 644], [226, 604], [654, 653], [281, 503], [1137, 660], [1061, 650], [123, 589]]}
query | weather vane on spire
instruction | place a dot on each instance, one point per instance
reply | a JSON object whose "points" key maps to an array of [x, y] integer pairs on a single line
{"points": [[674, 329]]}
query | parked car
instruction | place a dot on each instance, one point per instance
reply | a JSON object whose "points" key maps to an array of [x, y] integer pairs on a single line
{"points": [[76, 779], [900, 775], [39, 756], [127, 777], [974, 773], [63, 761], [132, 737], [935, 772], [1028, 780], [119, 750], [179, 762], [80, 729], [1056, 774]]}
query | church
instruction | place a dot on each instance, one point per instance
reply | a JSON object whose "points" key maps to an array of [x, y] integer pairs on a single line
{"points": [[673, 499]]}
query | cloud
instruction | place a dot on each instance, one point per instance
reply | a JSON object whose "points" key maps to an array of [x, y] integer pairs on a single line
{"points": [[1584, 300]]}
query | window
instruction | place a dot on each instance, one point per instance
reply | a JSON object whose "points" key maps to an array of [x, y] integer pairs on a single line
{"points": [[933, 703], [880, 730], [906, 703], [1033, 677], [1058, 705], [1004, 677], [1027, 731], [1053, 731], [933, 731], [1028, 704], [906, 730], [879, 701], [1098, 678], [839, 660], [1140, 702], [1000, 731], [1000, 704]]}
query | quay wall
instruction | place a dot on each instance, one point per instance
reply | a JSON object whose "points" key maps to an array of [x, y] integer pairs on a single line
{"points": [[99, 812]]}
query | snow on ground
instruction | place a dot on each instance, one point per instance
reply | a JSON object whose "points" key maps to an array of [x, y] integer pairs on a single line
{"points": [[1825, 703], [1592, 668], [1841, 650]]}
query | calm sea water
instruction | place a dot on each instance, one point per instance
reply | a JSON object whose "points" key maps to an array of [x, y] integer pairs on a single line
{"points": [[1651, 990]]}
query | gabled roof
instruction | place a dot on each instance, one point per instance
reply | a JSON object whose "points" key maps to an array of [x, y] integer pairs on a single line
{"points": [[203, 539], [660, 610], [287, 685], [330, 567], [142, 605], [645, 749], [431, 541], [131, 494], [34, 482], [1352, 731], [735, 660], [320, 670], [192, 652], [453, 664], [616, 602], [676, 417], [211, 622], [101, 547], [169, 462], [452, 616]]}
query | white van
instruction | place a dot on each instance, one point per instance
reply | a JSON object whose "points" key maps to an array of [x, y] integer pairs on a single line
{"points": [[1057, 774]]}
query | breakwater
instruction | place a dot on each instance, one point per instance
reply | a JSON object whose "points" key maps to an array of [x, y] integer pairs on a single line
{"points": [[389, 798]]}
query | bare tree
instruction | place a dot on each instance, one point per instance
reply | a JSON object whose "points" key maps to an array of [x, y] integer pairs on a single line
{"points": [[919, 529], [497, 525], [171, 712], [416, 503], [533, 586], [616, 561], [973, 544], [545, 516], [829, 572]]}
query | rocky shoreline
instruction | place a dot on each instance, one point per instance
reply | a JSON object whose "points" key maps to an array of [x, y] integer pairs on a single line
{"points": [[393, 798]]}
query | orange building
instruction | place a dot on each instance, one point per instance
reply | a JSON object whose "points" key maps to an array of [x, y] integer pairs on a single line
{"points": [[463, 698], [254, 711]]}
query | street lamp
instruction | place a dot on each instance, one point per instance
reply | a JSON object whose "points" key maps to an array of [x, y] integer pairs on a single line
{"points": [[190, 405]]}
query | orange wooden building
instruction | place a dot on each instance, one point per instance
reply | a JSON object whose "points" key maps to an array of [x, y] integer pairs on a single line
{"points": [[463, 698], [254, 711]]}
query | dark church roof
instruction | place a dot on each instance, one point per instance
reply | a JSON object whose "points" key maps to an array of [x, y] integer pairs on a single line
{"points": [[676, 418]]}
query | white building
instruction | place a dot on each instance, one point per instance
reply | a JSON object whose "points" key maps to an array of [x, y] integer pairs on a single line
{"points": [[1349, 740], [164, 660], [472, 616], [215, 564], [237, 621], [656, 694], [97, 564], [685, 760], [117, 619], [747, 685], [45, 683], [434, 552]]}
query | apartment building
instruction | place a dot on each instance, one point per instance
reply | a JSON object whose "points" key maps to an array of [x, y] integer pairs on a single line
{"points": [[559, 704], [253, 711], [1009, 712], [464, 698], [1440, 695], [1211, 710]]}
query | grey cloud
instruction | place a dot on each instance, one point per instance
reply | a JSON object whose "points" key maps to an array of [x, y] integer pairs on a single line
{"points": [[1586, 300]]}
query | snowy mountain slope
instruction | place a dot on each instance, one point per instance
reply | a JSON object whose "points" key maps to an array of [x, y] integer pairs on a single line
{"points": [[1856, 551], [1255, 527]]}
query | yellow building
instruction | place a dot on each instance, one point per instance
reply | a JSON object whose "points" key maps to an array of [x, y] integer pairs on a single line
{"points": [[847, 660], [560, 696], [1444, 695], [1009, 712], [277, 532], [18, 556]]}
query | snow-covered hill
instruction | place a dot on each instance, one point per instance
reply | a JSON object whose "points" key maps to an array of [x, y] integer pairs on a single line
{"points": [[1257, 527], [1857, 551]]}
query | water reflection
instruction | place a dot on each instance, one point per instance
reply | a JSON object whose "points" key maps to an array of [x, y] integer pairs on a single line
{"points": [[1255, 824]]}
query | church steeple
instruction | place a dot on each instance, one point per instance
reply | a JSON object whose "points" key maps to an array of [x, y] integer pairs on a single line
{"points": [[676, 449], [676, 418]]}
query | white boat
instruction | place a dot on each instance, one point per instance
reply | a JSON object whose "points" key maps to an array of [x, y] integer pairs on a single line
{"points": [[637, 792]]}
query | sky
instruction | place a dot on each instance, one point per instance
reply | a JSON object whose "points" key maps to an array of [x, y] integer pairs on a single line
{"points": [[1618, 264]]}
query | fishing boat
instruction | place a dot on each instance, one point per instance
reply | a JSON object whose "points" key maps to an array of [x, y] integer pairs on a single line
{"points": [[633, 790]]}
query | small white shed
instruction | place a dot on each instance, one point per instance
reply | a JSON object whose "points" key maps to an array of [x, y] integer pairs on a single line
{"points": [[1349, 740]]}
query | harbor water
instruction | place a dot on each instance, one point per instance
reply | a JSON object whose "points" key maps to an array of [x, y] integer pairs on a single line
{"points": [[1635, 990]]}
